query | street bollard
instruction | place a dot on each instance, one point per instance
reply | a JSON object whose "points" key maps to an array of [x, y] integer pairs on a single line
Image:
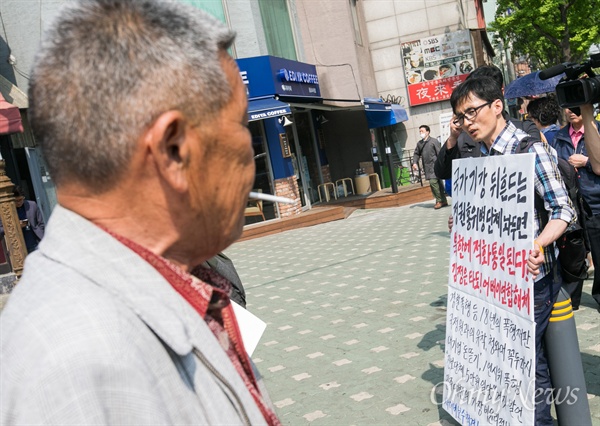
{"points": [[566, 370]]}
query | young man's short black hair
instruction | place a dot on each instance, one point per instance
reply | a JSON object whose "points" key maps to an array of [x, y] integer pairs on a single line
{"points": [[491, 71], [545, 110], [484, 88], [423, 126]]}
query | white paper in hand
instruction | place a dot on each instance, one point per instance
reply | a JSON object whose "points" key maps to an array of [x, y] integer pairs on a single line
{"points": [[251, 327]]}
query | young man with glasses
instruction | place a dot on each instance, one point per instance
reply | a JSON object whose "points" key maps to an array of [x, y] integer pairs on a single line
{"points": [[478, 111], [463, 146]]}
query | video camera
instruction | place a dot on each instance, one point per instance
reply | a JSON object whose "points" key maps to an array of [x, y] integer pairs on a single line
{"points": [[573, 91]]}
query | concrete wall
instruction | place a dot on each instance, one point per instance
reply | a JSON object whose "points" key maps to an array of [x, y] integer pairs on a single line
{"points": [[392, 22], [325, 37], [344, 67], [24, 23], [245, 19]]}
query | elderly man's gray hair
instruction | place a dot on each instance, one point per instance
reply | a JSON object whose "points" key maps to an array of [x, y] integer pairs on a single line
{"points": [[107, 68]]}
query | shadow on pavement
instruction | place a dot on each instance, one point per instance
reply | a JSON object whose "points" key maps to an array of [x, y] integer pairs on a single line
{"points": [[441, 302], [422, 206], [590, 370], [433, 338], [435, 375]]}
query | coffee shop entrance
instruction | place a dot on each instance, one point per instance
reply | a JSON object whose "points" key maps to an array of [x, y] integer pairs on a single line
{"points": [[300, 142], [286, 153]]}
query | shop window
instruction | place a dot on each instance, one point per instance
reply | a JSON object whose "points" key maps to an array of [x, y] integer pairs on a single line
{"points": [[278, 29], [263, 179], [214, 7]]}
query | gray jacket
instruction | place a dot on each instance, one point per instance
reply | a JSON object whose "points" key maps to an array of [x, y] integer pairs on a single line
{"points": [[93, 334], [428, 151]]}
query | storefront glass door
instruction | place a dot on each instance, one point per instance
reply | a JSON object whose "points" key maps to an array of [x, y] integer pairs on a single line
{"points": [[263, 180], [310, 161], [297, 163], [43, 185]]}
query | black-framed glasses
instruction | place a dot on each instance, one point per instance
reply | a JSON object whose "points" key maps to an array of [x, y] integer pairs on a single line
{"points": [[469, 114]]}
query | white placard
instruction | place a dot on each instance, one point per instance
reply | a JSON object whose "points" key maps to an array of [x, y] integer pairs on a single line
{"points": [[251, 327], [489, 372], [445, 119]]}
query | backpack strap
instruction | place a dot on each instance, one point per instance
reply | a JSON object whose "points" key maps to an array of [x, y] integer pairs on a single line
{"points": [[523, 148], [524, 145]]}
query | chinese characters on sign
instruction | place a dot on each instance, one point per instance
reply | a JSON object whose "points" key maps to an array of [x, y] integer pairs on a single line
{"points": [[489, 371], [435, 65]]}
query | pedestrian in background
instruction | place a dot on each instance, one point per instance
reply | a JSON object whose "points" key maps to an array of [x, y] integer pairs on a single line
{"points": [[428, 149], [544, 113], [107, 325], [30, 219]]}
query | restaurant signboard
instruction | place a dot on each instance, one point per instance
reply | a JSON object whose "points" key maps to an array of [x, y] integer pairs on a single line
{"points": [[434, 66]]}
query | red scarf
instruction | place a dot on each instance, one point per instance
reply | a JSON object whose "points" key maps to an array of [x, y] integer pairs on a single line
{"points": [[213, 305]]}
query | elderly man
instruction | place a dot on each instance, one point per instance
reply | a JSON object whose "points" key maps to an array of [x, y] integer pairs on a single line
{"points": [[478, 110], [141, 116]]}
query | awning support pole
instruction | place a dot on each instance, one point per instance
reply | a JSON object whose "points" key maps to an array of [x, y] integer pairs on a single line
{"points": [[388, 157]]}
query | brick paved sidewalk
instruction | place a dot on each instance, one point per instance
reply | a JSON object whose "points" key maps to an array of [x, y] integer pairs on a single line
{"points": [[356, 318]]}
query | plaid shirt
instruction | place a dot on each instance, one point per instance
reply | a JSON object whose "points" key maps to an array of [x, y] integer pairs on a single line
{"points": [[548, 184]]}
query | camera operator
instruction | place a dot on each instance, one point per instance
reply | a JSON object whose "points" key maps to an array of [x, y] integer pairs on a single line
{"points": [[593, 137], [579, 143], [592, 218]]}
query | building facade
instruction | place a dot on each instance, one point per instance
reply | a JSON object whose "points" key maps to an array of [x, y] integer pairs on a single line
{"points": [[353, 52], [394, 26], [329, 131], [22, 30]]}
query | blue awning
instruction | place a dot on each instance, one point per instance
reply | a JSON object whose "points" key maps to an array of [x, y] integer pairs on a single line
{"points": [[259, 109], [381, 114]]}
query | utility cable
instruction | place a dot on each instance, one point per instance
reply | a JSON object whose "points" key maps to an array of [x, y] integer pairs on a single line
{"points": [[325, 65]]}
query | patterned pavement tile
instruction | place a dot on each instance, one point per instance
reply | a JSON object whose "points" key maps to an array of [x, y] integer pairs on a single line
{"points": [[355, 313]]}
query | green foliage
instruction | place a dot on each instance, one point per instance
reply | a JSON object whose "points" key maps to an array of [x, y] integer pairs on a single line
{"points": [[549, 31]]}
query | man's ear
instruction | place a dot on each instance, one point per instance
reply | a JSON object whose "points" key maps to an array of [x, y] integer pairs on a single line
{"points": [[498, 106], [168, 145]]}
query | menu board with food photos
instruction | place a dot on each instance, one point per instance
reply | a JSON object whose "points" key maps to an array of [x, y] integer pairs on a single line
{"points": [[435, 65]]}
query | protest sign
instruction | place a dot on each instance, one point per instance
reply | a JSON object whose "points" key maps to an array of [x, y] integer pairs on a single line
{"points": [[489, 372]]}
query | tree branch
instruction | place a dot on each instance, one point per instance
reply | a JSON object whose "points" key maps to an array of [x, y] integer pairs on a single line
{"points": [[546, 34], [570, 4]]}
